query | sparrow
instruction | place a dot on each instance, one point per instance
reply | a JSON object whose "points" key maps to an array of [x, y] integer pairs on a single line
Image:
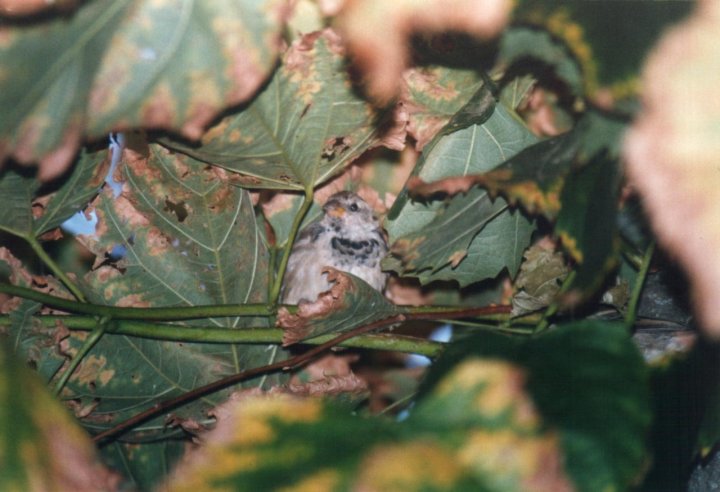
{"points": [[348, 238]]}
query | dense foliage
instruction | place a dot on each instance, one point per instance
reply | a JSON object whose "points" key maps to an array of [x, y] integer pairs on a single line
{"points": [[490, 137]]}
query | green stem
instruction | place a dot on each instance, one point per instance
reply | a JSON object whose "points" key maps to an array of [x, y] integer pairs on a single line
{"points": [[496, 328], [277, 285], [631, 314], [160, 331], [160, 313], [97, 332], [37, 247], [555, 305]]}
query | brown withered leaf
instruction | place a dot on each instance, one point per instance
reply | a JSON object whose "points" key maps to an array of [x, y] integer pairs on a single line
{"points": [[298, 326], [348, 304], [378, 31], [673, 150], [538, 283]]}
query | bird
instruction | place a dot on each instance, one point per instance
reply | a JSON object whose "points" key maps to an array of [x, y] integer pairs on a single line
{"points": [[348, 238]]}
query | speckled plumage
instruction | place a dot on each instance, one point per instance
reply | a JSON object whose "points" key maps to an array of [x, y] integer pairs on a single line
{"points": [[348, 238]]}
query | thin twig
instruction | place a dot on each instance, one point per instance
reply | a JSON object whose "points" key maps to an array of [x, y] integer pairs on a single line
{"points": [[631, 314]]}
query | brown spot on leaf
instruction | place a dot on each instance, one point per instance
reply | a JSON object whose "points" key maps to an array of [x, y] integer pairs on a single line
{"points": [[335, 147], [132, 300], [160, 110], [125, 209], [457, 257], [92, 370], [297, 326], [156, 242]]}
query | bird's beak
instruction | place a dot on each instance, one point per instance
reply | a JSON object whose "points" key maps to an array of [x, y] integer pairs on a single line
{"points": [[337, 212]]}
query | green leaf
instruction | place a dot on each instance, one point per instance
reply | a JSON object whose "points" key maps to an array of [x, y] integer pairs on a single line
{"points": [[130, 63], [350, 303], [20, 191], [475, 140], [41, 446], [470, 239], [515, 92], [17, 191], [34, 344], [535, 177], [301, 130], [587, 225], [190, 238], [588, 382]]}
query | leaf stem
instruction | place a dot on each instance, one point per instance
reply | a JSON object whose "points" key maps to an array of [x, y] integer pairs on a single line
{"points": [[555, 305], [50, 263], [159, 313], [631, 314], [93, 338], [304, 207], [199, 334]]}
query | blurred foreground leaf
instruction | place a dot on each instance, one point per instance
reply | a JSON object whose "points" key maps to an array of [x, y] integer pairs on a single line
{"points": [[589, 382], [475, 430], [41, 446], [123, 63], [608, 44]]}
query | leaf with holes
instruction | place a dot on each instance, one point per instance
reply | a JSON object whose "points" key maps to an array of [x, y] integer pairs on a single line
{"points": [[122, 63], [304, 127], [188, 238]]}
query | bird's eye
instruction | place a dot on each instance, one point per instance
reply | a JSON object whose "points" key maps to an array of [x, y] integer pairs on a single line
{"points": [[353, 207]]}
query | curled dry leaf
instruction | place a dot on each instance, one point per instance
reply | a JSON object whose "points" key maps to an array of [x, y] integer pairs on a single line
{"points": [[378, 32], [298, 326], [673, 150]]}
